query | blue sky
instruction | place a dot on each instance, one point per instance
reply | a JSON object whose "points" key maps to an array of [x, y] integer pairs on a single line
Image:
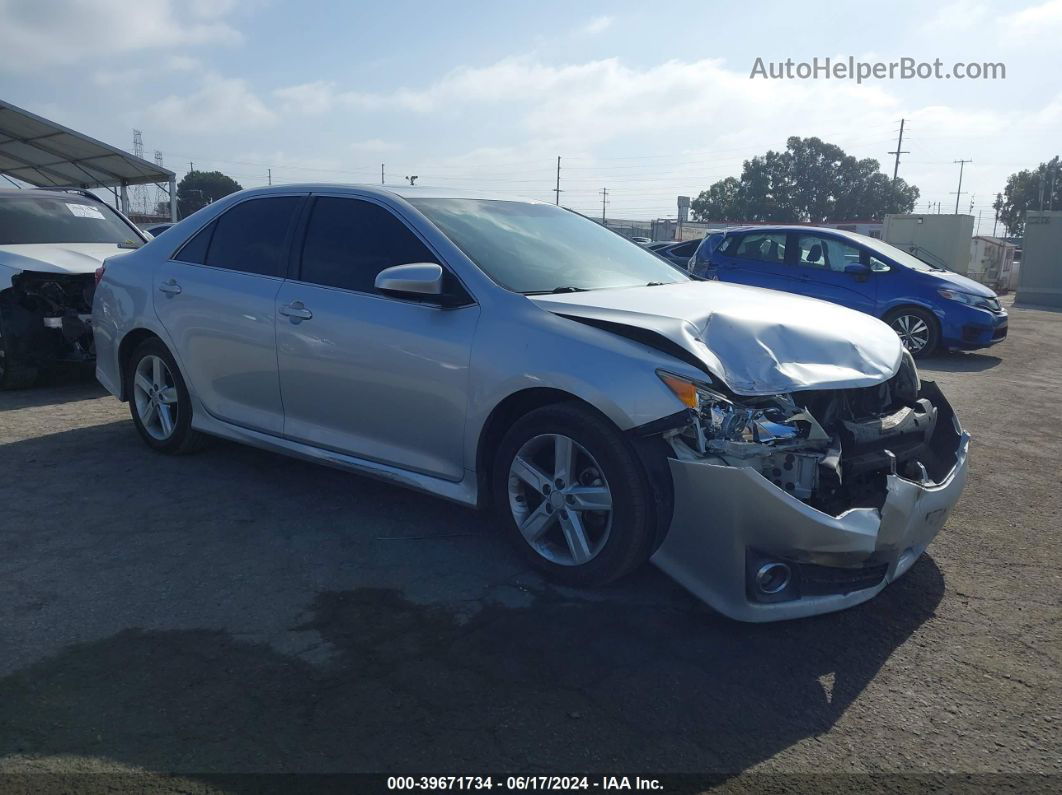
{"points": [[650, 101]]}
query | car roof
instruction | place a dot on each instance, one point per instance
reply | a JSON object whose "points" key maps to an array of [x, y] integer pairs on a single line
{"points": [[853, 236], [72, 194], [388, 191]]}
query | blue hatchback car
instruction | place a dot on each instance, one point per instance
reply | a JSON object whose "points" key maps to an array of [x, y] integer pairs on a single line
{"points": [[928, 307]]}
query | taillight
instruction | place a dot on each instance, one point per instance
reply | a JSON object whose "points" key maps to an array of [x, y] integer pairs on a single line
{"points": [[99, 274]]}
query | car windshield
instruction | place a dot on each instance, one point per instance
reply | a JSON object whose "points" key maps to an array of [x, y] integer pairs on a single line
{"points": [[62, 219], [901, 257], [539, 248]]}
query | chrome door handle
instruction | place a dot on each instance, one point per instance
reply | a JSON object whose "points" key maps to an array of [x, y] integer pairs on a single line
{"points": [[171, 287], [296, 311]]}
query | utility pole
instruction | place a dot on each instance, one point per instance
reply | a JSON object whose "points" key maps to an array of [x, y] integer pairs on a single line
{"points": [[973, 197], [191, 166], [557, 189], [899, 151], [958, 193], [977, 230], [604, 201], [381, 174], [995, 206], [269, 176]]}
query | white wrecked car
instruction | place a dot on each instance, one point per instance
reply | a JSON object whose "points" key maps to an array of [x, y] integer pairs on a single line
{"points": [[51, 243], [776, 455]]}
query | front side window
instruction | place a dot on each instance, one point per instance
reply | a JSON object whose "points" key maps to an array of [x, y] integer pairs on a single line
{"points": [[535, 248], [251, 237], [349, 241], [65, 218], [825, 253]]}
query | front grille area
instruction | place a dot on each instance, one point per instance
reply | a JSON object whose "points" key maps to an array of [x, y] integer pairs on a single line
{"points": [[999, 333], [825, 580]]}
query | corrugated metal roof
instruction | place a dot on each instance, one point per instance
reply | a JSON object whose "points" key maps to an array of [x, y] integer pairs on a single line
{"points": [[41, 152]]}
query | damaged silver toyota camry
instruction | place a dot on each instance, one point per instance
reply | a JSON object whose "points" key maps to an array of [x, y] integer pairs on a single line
{"points": [[776, 455]]}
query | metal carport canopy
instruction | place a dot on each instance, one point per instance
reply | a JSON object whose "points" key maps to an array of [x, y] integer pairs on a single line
{"points": [[45, 154]]}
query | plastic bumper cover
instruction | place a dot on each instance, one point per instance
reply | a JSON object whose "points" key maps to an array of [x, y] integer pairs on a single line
{"points": [[722, 512]]}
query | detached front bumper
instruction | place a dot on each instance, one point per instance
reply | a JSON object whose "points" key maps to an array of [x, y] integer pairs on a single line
{"points": [[729, 521]]}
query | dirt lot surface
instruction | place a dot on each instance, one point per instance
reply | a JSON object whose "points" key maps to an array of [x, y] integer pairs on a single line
{"points": [[239, 611]]}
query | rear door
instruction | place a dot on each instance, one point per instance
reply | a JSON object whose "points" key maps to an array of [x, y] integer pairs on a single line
{"points": [[217, 300], [821, 260], [362, 372], [755, 258]]}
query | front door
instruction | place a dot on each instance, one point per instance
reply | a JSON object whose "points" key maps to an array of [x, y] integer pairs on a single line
{"points": [[757, 259], [362, 372], [217, 300], [820, 263]]}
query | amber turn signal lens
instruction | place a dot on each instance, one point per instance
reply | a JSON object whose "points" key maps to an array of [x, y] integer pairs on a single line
{"points": [[684, 390]]}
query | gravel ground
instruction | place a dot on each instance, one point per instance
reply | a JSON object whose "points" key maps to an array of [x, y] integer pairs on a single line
{"points": [[236, 611]]}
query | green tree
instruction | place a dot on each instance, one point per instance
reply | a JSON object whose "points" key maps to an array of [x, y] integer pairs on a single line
{"points": [[811, 181], [197, 189], [1029, 190]]}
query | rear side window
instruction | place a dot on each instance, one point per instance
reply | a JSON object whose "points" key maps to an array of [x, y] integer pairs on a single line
{"points": [[348, 242], [251, 237], [685, 250]]}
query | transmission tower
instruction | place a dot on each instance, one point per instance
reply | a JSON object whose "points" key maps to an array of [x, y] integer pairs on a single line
{"points": [[160, 194], [139, 194]]}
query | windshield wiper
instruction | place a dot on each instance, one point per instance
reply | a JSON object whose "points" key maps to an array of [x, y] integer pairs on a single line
{"points": [[564, 289], [129, 244], [657, 284]]}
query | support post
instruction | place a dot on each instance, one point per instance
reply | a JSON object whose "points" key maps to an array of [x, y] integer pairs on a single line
{"points": [[173, 199]]}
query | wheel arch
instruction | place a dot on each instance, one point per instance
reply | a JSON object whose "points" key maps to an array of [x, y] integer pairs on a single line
{"points": [[502, 417], [129, 343]]}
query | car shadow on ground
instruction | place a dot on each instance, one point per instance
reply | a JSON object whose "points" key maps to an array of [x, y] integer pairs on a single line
{"points": [[52, 389], [960, 362], [565, 683]]}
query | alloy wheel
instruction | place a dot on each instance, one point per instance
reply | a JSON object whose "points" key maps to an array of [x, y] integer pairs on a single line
{"points": [[155, 396], [560, 499], [913, 331]]}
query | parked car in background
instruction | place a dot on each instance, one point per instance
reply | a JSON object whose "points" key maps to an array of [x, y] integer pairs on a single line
{"points": [[51, 243], [642, 241], [678, 253], [156, 229], [927, 306], [698, 264], [779, 457]]}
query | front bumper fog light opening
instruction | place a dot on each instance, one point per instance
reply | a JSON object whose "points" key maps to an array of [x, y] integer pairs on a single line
{"points": [[772, 578]]}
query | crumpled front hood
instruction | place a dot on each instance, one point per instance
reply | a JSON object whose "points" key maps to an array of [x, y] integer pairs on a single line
{"points": [[58, 257], [757, 341]]}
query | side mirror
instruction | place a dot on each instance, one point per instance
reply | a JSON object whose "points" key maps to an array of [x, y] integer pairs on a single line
{"points": [[414, 279], [857, 269]]}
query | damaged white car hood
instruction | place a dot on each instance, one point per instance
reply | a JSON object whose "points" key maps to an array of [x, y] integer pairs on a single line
{"points": [[57, 257], [757, 341]]}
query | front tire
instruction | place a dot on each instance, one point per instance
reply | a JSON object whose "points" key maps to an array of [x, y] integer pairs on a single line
{"points": [[917, 329], [159, 401], [14, 374], [573, 496]]}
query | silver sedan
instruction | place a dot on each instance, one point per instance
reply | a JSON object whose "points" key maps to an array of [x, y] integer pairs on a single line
{"points": [[776, 455]]}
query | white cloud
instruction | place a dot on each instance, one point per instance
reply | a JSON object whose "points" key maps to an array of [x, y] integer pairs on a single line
{"points": [[598, 25], [308, 98], [221, 105], [132, 76], [38, 34], [1037, 21], [375, 145], [958, 15]]}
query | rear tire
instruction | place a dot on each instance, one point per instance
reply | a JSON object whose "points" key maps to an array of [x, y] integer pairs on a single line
{"points": [[917, 329], [14, 374], [555, 472], [159, 401]]}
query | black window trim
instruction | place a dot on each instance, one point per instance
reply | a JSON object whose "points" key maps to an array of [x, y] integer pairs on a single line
{"points": [[213, 223], [299, 242]]}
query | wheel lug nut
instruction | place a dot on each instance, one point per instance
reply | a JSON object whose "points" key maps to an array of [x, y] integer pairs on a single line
{"points": [[546, 489], [560, 483]]}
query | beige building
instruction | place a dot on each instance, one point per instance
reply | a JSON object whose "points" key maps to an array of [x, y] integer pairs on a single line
{"points": [[939, 239], [1041, 259]]}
